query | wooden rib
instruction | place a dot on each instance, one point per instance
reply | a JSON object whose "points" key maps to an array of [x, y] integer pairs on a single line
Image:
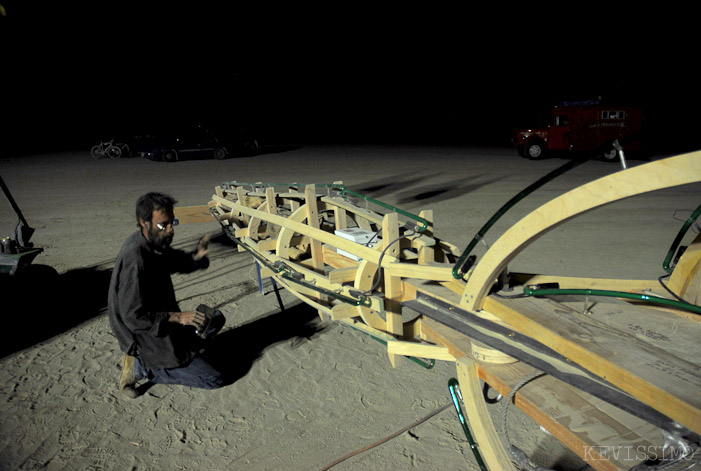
{"points": [[686, 277], [674, 171], [290, 224], [492, 448]]}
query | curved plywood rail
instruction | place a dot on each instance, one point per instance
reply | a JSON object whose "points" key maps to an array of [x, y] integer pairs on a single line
{"points": [[674, 171]]}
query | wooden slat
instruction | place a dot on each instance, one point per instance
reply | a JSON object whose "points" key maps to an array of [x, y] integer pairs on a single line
{"points": [[361, 251], [664, 381], [424, 272], [570, 282], [193, 214], [492, 448], [419, 350], [580, 421], [341, 275], [686, 277], [393, 284]]}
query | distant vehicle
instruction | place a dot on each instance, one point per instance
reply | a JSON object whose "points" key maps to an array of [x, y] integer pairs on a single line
{"points": [[583, 126], [192, 143]]}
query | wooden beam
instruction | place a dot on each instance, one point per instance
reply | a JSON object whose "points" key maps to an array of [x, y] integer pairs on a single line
{"points": [[664, 381], [686, 277], [343, 311], [393, 284], [674, 171], [571, 282], [580, 421], [490, 445], [361, 251], [424, 272], [426, 243], [193, 214], [419, 350], [341, 275]]}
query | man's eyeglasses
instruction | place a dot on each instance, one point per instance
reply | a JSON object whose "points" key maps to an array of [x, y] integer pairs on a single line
{"points": [[164, 226]]}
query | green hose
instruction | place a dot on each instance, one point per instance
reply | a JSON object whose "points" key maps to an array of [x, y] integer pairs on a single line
{"points": [[458, 271], [452, 386], [535, 291], [421, 228], [685, 227], [344, 191]]}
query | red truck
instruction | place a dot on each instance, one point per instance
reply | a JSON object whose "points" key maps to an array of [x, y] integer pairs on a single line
{"points": [[583, 126]]}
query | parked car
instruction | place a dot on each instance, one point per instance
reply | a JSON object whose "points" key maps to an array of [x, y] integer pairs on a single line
{"points": [[193, 143]]}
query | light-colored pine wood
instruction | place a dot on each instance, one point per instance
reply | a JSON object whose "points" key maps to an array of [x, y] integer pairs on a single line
{"points": [[393, 284], [578, 420], [686, 277], [340, 275], [343, 311], [624, 347], [570, 282], [426, 243], [192, 214], [674, 171], [419, 350], [491, 447], [294, 224], [665, 382]]}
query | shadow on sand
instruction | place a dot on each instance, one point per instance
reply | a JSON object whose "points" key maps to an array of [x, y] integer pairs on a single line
{"points": [[235, 351], [39, 304]]}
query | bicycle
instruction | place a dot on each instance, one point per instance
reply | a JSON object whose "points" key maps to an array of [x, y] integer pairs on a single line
{"points": [[109, 149]]}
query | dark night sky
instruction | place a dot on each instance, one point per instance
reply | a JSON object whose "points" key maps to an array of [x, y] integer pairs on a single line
{"points": [[296, 82]]}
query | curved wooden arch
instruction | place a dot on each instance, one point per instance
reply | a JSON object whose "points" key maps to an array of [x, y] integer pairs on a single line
{"points": [[284, 238], [254, 222], [674, 171], [363, 281]]}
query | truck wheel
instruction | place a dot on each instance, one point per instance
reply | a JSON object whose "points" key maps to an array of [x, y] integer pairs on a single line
{"points": [[610, 154], [220, 153], [535, 150], [170, 156]]}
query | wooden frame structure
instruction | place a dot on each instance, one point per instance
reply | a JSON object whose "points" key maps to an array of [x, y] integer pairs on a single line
{"points": [[610, 381]]}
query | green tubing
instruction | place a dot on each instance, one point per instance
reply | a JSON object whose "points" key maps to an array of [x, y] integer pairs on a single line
{"points": [[361, 301], [424, 222], [458, 273], [535, 291], [685, 227], [452, 386], [344, 191]]}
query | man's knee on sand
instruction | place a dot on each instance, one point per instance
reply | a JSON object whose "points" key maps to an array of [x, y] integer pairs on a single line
{"points": [[197, 374]]}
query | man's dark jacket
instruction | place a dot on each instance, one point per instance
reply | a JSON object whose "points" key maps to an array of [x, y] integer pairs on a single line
{"points": [[140, 297]]}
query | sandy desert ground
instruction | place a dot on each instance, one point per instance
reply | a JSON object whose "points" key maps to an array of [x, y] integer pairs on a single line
{"points": [[308, 392]]}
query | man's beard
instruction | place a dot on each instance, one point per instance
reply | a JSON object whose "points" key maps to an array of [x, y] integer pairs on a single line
{"points": [[159, 239]]}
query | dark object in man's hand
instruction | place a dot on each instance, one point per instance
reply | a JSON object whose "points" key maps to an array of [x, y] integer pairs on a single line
{"points": [[209, 314]]}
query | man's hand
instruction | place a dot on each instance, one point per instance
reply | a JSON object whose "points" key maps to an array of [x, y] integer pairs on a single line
{"points": [[201, 248], [193, 318]]}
